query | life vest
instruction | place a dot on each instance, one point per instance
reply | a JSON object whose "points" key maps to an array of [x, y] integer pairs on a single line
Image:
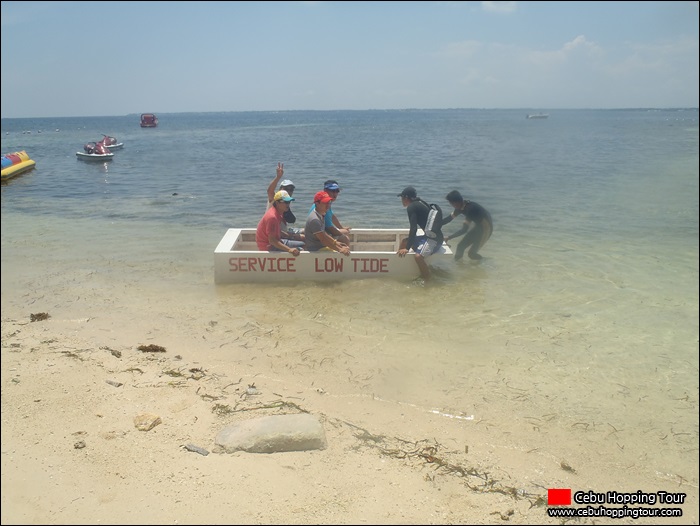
{"points": [[434, 221]]}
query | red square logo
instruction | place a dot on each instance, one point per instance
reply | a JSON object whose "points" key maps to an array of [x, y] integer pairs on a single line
{"points": [[559, 497]]}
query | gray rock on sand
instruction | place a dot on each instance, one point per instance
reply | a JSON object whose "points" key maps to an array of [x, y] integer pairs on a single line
{"points": [[272, 434]]}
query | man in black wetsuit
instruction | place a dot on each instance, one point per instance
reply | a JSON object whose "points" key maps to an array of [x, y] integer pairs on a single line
{"points": [[477, 225], [423, 246]]}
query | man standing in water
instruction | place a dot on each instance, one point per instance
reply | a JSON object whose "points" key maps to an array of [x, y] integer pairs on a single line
{"points": [[423, 246], [477, 225]]}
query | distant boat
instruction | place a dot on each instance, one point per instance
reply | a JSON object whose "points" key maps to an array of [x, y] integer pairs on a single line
{"points": [[149, 120], [94, 156], [95, 151], [537, 115], [111, 143]]}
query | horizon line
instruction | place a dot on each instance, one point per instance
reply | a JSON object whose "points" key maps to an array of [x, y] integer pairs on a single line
{"points": [[657, 108]]}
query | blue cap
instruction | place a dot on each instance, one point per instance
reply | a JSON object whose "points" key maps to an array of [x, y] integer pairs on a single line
{"points": [[331, 186]]}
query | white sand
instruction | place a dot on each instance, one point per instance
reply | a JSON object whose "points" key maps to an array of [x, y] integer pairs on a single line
{"points": [[389, 460]]}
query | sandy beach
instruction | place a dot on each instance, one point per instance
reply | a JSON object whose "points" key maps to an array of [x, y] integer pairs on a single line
{"points": [[71, 454]]}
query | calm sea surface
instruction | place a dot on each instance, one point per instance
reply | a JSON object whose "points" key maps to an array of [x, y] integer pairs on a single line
{"points": [[587, 295]]}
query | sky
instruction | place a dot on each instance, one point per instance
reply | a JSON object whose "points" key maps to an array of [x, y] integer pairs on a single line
{"points": [[79, 59]]}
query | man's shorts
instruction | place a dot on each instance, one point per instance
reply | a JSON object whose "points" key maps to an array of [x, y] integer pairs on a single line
{"points": [[425, 246], [291, 243]]}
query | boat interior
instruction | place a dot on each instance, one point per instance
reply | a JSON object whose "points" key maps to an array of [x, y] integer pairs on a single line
{"points": [[360, 241]]}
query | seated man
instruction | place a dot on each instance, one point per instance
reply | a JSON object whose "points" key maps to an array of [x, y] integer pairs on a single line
{"points": [[317, 238], [270, 235], [333, 225], [288, 186]]}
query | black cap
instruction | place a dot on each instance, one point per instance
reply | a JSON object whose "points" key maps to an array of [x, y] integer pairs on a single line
{"points": [[409, 192]]}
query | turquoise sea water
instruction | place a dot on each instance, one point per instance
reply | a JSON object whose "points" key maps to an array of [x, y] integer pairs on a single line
{"points": [[587, 297], [578, 171]]}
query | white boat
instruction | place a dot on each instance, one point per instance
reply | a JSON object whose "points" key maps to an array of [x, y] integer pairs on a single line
{"points": [[111, 143], [373, 255], [95, 151], [537, 115], [94, 156], [117, 146]]}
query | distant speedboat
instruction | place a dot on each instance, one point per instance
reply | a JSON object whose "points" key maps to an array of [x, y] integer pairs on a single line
{"points": [[149, 120], [537, 115]]}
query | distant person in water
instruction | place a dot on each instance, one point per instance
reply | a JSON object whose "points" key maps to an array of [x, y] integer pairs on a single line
{"points": [[477, 225]]}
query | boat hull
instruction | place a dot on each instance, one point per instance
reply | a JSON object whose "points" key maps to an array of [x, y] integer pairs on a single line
{"points": [[94, 156], [238, 260], [117, 146]]}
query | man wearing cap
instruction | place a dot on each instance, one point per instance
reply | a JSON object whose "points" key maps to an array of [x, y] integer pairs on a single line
{"points": [[269, 235], [288, 186], [423, 246], [315, 233], [333, 225]]}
